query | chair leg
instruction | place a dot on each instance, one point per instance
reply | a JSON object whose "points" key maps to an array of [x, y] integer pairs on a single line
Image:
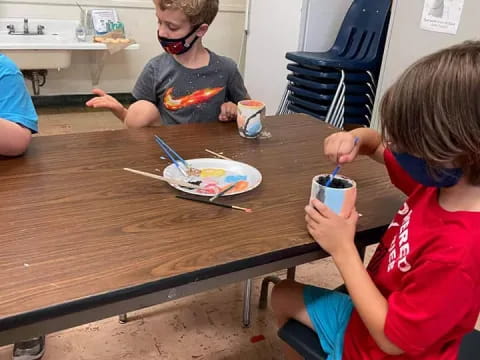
{"points": [[247, 298], [263, 301], [122, 318], [291, 273]]}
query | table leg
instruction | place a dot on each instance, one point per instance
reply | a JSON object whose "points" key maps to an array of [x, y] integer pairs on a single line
{"points": [[122, 318], [247, 298]]}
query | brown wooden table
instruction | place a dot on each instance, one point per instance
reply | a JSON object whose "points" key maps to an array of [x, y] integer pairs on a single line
{"points": [[81, 239]]}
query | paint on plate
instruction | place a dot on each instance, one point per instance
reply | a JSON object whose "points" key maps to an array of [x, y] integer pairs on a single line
{"points": [[212, 173]]}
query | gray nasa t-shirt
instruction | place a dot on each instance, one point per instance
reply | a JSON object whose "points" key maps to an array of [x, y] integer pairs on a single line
{"points": [[184, 95]]}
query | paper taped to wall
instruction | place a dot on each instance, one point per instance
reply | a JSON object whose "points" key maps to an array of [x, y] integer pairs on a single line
{"points": [[442, 15]]}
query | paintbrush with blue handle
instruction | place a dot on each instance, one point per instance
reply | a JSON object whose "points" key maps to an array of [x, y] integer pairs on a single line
{"points": [[167, 150]]}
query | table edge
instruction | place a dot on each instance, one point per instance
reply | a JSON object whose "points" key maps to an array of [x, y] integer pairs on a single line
{"points": [[362, 238]]}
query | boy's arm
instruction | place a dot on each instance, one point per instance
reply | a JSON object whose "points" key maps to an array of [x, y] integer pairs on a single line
{"points": [[105, 101], [141, 113], [235, 92], [370, 143], [14, 139]]}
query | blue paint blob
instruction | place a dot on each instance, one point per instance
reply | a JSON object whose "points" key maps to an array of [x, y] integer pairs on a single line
{"points": [[235, 178]]}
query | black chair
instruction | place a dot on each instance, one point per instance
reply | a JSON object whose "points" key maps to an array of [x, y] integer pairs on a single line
{"points": [[305, 341]]}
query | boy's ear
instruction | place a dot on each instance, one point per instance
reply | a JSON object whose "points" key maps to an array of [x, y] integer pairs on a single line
{"points": [[202, 30]]}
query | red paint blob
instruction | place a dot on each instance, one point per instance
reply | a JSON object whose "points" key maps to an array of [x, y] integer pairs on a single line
{"points": [[257, 338]]}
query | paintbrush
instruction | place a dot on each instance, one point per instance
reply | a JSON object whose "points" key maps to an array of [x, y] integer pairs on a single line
{"points": [[171, 155], [162, 178], [223, 192], [337, 168], [214, 203]]}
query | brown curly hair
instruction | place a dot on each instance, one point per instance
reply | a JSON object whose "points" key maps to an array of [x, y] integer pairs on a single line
{"points": [[197, 11]]}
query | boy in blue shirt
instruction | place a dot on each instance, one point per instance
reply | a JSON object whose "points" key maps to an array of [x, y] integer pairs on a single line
{"points": [[18, 119]]}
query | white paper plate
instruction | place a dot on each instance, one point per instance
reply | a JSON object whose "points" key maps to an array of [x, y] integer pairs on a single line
{"points": [[217, 174]]}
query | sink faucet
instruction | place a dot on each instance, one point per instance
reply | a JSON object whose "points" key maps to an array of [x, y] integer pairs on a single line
{"points": [[26, 30]]}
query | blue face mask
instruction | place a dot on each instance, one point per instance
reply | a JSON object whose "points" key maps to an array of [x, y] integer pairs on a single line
{"points": [[419, 170]]}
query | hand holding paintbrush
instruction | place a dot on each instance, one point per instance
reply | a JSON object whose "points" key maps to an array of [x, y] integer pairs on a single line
{"points": [[337, 168]]}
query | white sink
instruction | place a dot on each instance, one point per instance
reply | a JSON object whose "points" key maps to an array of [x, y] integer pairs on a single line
{"points": [[47, 51], [53, 50]]}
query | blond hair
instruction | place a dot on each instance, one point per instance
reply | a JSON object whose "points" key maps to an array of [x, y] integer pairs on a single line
{"points": [[197, 11], [433, 110]]}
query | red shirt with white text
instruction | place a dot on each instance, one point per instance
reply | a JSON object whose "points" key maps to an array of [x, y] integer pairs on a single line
{"points": [[428, 268]]}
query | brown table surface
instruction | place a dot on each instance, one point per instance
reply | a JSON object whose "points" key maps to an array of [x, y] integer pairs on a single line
{"points": [[77, 229]]}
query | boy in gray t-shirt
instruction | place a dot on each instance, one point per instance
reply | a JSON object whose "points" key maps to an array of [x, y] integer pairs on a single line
{"points": [[187, 84]]}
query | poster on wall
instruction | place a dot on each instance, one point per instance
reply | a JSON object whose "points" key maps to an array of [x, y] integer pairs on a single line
{"points": [[442, 15]]}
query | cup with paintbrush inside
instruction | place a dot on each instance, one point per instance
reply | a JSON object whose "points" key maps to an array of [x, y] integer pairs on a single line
{"points": [[336, 191], [339, 195]]}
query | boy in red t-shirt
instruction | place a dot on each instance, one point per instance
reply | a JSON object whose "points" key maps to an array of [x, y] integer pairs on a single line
{"points": [[420, 294]]}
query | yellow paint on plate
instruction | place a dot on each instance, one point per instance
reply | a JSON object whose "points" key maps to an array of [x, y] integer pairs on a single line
{"points": [[212, 173]]}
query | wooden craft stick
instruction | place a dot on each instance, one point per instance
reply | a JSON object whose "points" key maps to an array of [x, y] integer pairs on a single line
{"points": [[162, 178], [218, 155]]}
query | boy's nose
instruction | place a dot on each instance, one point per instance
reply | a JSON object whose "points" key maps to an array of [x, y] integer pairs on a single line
{"points": [[162, 31]]}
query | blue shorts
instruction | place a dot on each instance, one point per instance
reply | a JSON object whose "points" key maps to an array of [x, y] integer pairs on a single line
{"points": [[330, 313]]}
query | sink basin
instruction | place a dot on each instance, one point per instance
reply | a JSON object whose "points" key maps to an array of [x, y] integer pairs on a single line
{"points": [[31, 52], [40, 59], [52, 50]]}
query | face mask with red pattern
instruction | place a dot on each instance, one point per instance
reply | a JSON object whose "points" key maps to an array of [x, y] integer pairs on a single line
{"points": [[177, 46]]}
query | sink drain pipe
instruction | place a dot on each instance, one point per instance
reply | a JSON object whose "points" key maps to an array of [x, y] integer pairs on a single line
{"points": [[38, 78]]}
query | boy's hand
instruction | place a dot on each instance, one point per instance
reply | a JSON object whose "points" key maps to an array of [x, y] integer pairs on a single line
{"points": [[340, 148], [334, 233], [228, 112], [103, 100]]}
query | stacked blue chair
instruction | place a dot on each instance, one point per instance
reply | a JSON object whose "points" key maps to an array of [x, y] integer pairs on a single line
{"points": [[338, 86]]}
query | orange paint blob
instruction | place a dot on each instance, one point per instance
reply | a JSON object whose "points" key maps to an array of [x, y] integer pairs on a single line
{"points": [[241, 185], [252, 103]]}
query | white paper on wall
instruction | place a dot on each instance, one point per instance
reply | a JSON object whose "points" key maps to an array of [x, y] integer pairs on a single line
{"points": [[442, 15]]}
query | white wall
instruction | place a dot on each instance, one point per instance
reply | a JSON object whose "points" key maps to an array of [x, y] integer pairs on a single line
{"points": [[279, 26], [406, 42], [122, 69], [321, 22], [274, 29]]}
